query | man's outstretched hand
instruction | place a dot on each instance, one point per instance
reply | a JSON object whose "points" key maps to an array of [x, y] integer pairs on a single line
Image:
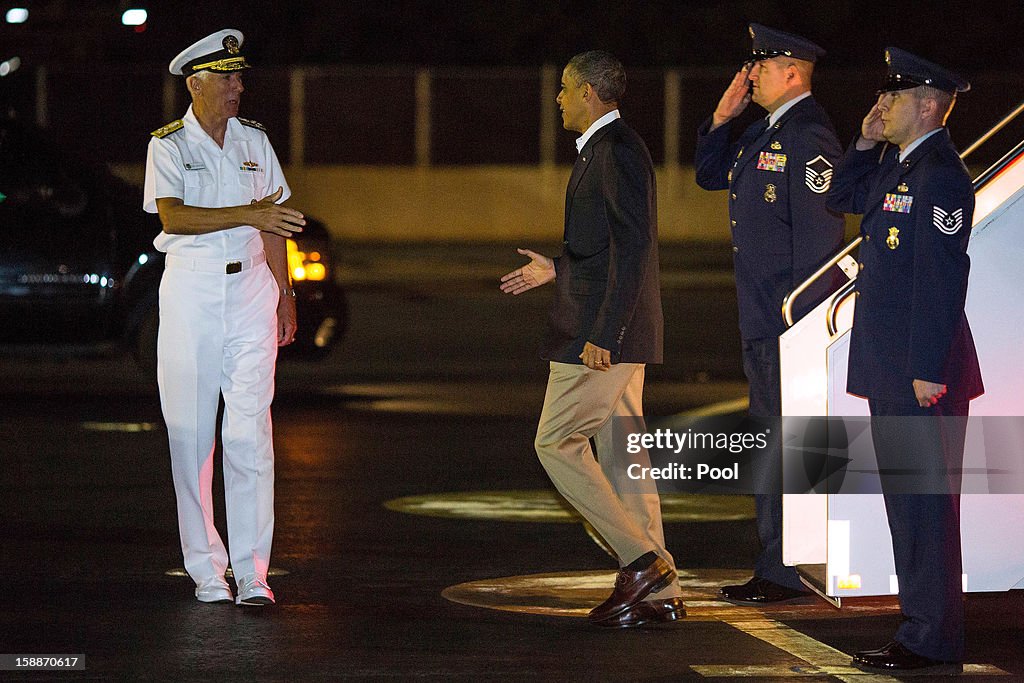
{"points": [[269, 216], [539, 271]]}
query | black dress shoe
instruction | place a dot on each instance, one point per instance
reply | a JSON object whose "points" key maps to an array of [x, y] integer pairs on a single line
{"points": [[895, 658], [647, 613], [632, 587], [759, 591]]}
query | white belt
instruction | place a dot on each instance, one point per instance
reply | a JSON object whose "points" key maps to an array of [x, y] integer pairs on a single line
{"points": [[205, 265]]}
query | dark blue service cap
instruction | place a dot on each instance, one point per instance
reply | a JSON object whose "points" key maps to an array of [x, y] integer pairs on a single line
{"points": [[771, 42], [909, 71]]}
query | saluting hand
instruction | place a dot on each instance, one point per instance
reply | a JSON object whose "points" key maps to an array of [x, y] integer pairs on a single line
{"points": [[269, 216], [872, 129], [735, 99], [539, 271]]}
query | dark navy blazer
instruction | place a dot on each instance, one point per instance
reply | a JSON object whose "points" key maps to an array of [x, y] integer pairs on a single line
{"points": [[782, 231], [909, 322], [607, 287]]}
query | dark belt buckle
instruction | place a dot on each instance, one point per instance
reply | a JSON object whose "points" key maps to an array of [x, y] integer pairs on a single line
{"points": [[233, 267]]}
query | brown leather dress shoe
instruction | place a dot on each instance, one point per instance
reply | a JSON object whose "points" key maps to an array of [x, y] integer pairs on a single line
{"points": [[632, 587], [647, 613], [759, 591], [896, 659]]}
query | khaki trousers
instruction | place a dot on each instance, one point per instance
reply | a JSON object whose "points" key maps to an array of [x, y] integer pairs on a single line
{"points": [[579, 404]]}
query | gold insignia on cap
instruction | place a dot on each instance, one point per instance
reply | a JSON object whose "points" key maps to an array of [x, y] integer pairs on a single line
{"points": [[769, 193], [902, 187], [229, 64], [776, 144], [893, 241], [230, 44], [751, 29], [888, 58]]}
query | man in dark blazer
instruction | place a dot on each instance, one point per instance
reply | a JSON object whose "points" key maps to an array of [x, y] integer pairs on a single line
{"points": [[777, 174], [911, 351], [605, 325]]}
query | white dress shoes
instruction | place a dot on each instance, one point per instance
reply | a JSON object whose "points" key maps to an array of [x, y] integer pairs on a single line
{"points": [[214, 590], [253, 590]]}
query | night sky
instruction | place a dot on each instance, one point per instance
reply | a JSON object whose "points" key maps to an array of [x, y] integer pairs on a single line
{"points": [[965, 35], [93, 61]]}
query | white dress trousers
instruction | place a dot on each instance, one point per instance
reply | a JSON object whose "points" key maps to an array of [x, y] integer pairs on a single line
{"points": [[218, 335]]}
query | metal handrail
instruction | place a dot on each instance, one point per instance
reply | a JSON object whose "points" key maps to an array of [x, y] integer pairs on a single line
{"points": [[787, 303], [993, 170], [832, 315], [992, 131]]}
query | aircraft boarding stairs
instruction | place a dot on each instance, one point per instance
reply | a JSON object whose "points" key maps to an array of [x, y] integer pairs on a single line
{"points": [[840, 543]]}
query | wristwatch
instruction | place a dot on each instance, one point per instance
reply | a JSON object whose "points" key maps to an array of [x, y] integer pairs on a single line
{"points": [[288, 291]]}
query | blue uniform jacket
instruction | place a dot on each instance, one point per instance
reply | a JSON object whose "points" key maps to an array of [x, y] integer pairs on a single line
{"points": [[909, 321], [607, 288], [781, 229]]}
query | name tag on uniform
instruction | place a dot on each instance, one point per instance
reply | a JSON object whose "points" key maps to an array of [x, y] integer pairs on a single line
{"points": [[769, 161], [899, 203]]}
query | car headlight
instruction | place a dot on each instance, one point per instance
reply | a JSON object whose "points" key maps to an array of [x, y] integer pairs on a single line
{"points": [[306, 265]]}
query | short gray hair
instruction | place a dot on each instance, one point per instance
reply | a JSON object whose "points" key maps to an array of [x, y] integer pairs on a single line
{"points": [[601, 70], [199, 76]]}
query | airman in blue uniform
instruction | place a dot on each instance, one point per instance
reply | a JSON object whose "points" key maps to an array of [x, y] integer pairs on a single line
{"points": [[777, 174], [911, 351]]}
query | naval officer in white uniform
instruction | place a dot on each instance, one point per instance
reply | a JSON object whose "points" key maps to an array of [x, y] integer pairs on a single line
{"points": [[226, 304]]}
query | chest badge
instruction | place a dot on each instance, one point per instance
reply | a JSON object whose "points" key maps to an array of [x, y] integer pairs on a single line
{"points": [[893, 240], [776, 145], [250, 166], [769, 193], [897, 203], [769, 161], [902, 188]]}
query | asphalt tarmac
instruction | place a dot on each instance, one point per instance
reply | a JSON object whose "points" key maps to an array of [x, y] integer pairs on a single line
{"points": [[416, 534]]}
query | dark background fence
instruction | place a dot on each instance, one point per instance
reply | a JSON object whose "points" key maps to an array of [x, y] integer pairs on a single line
{"points": [[439, 116]]}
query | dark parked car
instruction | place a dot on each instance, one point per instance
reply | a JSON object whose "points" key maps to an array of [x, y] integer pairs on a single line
{"points": [[78, 266]]}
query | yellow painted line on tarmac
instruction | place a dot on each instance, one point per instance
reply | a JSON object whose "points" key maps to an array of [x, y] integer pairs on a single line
{"points": [[843, 672], [783, 671], [819, 656], [821, 659], [124, 427], [720, 408]]}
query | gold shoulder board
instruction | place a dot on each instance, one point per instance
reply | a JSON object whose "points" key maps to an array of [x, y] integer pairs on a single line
{"points": [[164, 131], [252, 124]]}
